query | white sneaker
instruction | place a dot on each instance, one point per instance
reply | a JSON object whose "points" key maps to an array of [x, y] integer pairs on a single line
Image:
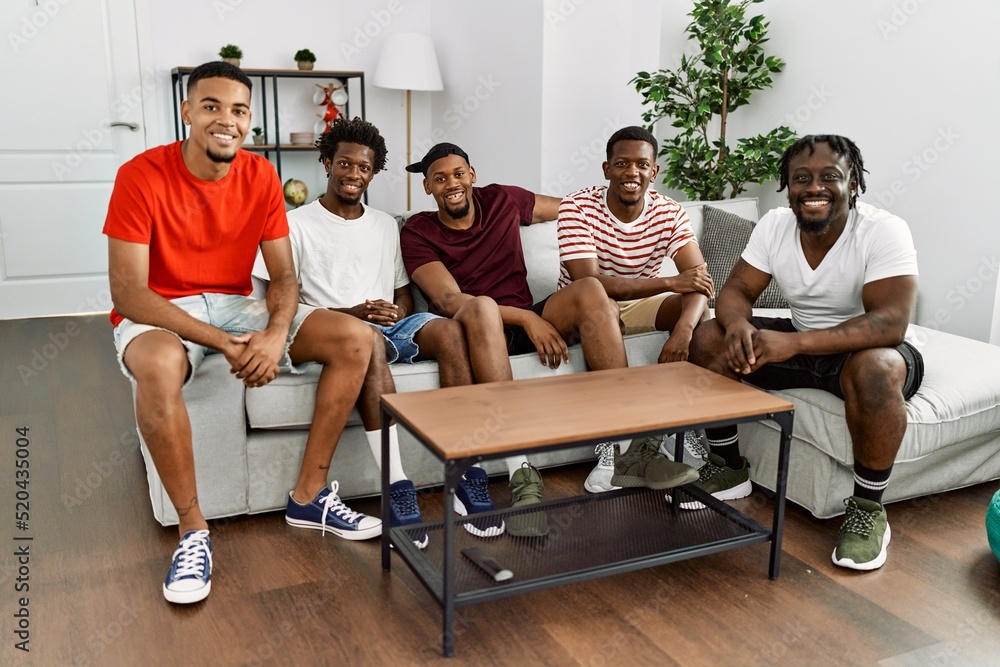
{"points": [[599, 479], [692, 443]]}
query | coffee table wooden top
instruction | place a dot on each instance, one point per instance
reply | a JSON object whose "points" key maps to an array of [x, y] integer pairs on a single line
{"points": [[508, 417]]}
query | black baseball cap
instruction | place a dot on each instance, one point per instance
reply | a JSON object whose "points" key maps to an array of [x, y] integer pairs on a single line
{"points": [[436, 153]]}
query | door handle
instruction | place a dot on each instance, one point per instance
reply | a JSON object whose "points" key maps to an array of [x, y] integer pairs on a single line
{"points": [[132, 126]]}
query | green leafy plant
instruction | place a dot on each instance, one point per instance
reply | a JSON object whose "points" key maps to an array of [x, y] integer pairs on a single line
{"points": [[230, 51], [699, 95], [305, 56], [257, 130]]}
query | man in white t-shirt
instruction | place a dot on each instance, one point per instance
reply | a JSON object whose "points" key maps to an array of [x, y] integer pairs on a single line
{"points": [[849, 273], [619, 233], [347, 258]]}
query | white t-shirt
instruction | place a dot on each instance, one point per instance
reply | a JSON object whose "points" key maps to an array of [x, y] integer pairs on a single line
{"points": [[588, 229], [340, 263], [874, 245]]}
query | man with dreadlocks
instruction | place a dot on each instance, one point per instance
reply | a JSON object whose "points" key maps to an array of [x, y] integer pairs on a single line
{"points": [[849, 273], [347, 259]]}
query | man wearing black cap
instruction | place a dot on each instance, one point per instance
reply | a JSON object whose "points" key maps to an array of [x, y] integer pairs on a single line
{"points": [[471, 247]]}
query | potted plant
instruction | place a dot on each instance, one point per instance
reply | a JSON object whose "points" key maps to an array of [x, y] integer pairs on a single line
{"points": [[231, 54], [305, 58], [699, 95], [258, 136]]}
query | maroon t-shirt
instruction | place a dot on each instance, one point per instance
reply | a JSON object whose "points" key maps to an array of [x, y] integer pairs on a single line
{"points": [[486, 259]]}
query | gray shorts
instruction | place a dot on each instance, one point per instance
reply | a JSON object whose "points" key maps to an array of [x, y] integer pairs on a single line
{"points": [[230, 312]]}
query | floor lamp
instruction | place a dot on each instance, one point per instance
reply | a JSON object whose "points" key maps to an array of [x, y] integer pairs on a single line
{"points": [[408, 63]]}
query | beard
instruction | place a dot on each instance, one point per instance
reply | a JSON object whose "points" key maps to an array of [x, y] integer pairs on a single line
{"points": [[458, 213], [221, 159], [813, 226]]}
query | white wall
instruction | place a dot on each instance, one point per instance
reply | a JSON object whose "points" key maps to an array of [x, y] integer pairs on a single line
{"points": [[491, 62], [592, 50], [914, 84], [344, 36]]}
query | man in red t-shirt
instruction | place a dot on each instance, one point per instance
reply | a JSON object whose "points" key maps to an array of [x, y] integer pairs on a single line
{"points": [[184, 224], [471, 247]]}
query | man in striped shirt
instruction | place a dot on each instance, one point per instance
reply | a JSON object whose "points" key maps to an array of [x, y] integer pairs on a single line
{"points": [[619, 233]]}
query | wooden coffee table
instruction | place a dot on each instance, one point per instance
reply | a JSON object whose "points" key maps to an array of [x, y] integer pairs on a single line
{"points": [[592, 535]]}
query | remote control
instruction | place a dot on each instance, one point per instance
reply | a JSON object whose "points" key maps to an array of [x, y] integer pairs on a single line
{"points": [[487, 563]]}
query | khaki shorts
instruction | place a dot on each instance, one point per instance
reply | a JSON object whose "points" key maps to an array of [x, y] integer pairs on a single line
{"points": [[639, 315]]}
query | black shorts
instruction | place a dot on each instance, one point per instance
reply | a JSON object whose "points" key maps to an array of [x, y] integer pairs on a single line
{"points": [[822, 371], [518, 341]]}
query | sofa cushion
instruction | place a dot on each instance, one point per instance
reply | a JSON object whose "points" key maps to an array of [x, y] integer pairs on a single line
{"points": [[724, 237], [959, 399]]}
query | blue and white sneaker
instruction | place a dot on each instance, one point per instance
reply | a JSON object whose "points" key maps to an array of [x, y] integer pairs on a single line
{"points": [[189, 578], [472, 497], [405, 511], [328, 512]]}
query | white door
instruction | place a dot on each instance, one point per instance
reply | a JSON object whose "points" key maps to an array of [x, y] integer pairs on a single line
{"points": [[70, 115]]}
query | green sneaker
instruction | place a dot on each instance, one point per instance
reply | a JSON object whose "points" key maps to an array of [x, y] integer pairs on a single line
{"points": [[526, 488], [864, 535], [644, 465], [723, 482]]}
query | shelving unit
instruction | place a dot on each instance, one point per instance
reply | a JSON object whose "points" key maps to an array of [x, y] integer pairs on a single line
{"points": [[273, 147]]}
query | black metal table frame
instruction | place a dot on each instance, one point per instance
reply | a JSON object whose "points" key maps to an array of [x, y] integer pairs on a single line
{"points": [[455, 468]]}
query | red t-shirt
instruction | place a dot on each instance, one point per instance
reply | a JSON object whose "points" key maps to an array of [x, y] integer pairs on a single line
{"points": [[202, 235], [486, 259]]}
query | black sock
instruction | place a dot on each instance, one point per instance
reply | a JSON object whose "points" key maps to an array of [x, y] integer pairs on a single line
{"points": [[870, 484], [725, 442]]}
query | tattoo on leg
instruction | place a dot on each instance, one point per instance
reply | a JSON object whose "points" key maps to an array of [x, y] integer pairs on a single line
{"points": [[183, 511]]}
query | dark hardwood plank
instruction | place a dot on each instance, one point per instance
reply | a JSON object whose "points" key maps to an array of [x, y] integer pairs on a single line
{"points": [[287, 597]]}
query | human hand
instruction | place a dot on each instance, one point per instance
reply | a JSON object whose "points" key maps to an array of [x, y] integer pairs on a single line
{"points": [[739, 347], [696, 279], [258, 363], [376, 311], [677, 346], [552, 349], [772, 346]]}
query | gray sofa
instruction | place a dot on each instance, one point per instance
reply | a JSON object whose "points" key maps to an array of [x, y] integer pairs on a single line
{"points": [[248, 443]]}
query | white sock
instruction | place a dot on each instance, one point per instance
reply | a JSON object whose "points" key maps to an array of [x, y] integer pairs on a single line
{"points": [[514, 463], [623, 446], [395, 464]]}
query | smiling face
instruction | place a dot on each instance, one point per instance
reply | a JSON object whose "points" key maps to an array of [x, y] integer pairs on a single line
{"points": [[449, 180], [218, 112], [350, 171], [820, 189], [630, 169]]}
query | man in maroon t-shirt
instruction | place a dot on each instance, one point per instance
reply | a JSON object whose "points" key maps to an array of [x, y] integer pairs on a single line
{"points": [[471, 247]]}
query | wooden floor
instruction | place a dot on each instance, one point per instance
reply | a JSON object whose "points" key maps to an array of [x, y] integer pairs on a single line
{"points": [[286, 597]]}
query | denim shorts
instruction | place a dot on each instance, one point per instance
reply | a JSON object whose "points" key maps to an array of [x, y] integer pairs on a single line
{"points": [[230, 312], [822, 371], [400, 338]]}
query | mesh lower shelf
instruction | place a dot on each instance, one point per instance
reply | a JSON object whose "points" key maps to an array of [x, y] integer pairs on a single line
{"points": [[589, 536]]}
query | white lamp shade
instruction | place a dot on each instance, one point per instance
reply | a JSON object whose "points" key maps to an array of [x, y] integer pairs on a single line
{"points": [[408, 62]]}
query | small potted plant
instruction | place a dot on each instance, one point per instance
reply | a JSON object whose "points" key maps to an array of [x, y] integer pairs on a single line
{"points": [[231, 54], [305, 58], [258, 136]]}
